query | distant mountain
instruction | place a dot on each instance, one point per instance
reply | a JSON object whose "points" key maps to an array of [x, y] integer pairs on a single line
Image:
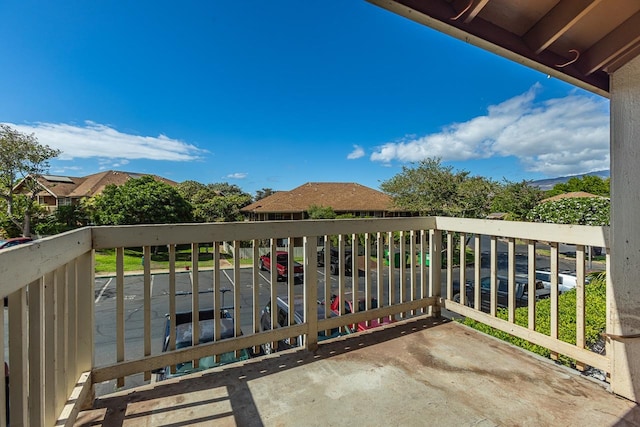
{"points": [[547, 184]]}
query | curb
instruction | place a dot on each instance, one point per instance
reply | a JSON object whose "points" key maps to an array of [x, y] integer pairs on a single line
{"points": [[164, 271]]}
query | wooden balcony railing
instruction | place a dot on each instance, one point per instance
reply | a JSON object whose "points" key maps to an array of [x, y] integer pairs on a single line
{"points": [[50, 284]]}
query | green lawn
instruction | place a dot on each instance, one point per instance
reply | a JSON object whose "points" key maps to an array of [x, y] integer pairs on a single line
{"points": [[106, 260]]}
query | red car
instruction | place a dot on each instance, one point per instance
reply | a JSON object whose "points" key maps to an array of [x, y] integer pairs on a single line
{"points": [[362, 326], [282, 262], [13, 242]]}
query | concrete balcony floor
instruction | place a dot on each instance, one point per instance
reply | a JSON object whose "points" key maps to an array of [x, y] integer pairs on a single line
{"points": [[419, 372]]}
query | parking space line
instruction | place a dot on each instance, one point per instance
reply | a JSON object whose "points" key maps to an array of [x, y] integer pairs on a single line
{"points": [[229, 278], [265, 279], [104, 288]]}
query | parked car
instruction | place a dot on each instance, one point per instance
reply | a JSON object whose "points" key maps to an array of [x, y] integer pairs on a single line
{"points": [[184, 338], [4, 244], [335, 260], [349, 308], [521, 292], [282, 262], [566, 280], [282, 317]]}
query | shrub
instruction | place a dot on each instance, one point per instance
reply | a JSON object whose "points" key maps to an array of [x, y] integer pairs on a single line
{"points": [[579, 210], [595, 319]]}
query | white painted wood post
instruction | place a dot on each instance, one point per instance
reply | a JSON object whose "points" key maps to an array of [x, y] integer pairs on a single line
{"points": [[311, 290], [85, 317], [623, 292], [435, 267]]}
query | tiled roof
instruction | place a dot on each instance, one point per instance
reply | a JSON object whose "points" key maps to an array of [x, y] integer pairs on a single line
{"points": [[59, 188], [340, 196], [94, 184], [571, 195], [90, 185]]}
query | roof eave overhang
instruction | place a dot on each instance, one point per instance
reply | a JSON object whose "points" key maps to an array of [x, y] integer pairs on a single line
{"points": [[482, 34], [44, 187]]}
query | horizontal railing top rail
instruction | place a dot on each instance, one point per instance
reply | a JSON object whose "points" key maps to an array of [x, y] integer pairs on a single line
{"points": [[22, 264], [562, 233], [154, 235], [143, 235]]}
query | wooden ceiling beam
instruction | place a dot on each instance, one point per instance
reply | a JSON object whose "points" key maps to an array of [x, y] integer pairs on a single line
{"points": [[471, 8], [613, 66], [556, 22], [612, 46], [475, 9]]}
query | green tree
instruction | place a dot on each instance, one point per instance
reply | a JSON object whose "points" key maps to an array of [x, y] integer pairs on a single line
{"points": [[321, 212], [575, 210], [140, 201], [222, 208], [189, 189], [261, 194], [218, 202], [474, 197], [63, 219], [430, 188], [37, 213], [588, 183], [21, 156], [226, 189], [516, 199]]}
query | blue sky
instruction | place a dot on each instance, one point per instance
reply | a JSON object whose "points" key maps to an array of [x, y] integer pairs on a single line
{"points": [[276, 94]]}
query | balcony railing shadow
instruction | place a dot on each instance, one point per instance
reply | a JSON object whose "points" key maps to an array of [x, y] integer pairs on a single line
{"points": [[416, 370], [239, 404]]}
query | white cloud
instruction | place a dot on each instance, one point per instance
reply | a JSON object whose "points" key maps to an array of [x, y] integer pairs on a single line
{"points": [[357, 152], [104, 142], [66, 169], [561, 136], [237, 175], [119, 163]]}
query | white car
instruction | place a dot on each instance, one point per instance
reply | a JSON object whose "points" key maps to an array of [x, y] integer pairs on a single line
{"points": [[566, 281]]}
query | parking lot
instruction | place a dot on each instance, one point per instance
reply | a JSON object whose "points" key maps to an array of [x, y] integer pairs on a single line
{"points": [[105, 333]]}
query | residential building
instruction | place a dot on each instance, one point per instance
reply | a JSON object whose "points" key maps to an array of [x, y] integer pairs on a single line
{"points": [[342, 197], [60, 190]]}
